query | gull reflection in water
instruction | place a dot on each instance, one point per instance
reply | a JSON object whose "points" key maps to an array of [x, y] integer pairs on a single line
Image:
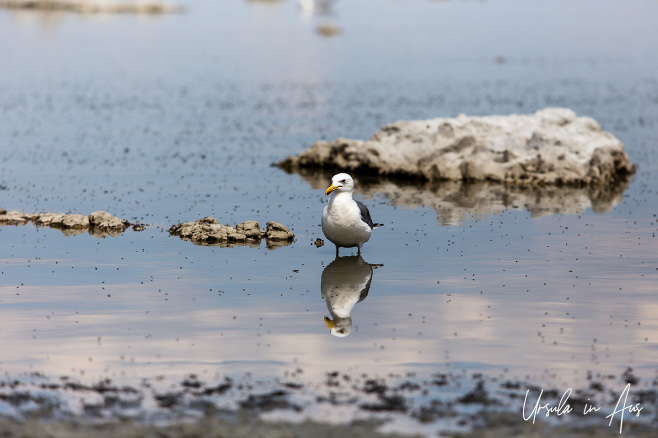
{"points": [[345, 282]]}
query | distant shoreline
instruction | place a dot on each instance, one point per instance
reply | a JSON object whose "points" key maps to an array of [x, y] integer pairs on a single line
{"points": [[94, 7]]}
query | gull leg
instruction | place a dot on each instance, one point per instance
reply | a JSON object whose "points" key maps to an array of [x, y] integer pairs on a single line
{"points": [[336, 251]]}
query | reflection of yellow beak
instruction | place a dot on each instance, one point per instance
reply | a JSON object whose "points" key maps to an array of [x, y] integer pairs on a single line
{"points": [[330, 189], [328, 322]]}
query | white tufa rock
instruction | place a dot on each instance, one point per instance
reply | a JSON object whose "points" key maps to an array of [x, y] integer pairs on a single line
{"points": [[551, 146]]}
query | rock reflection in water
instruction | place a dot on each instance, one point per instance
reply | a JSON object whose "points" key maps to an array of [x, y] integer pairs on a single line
{"points": [[345, 282], [99, 233], [455, 201]]}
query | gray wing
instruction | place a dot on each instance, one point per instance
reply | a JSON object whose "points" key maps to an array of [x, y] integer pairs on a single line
{"points": [[365, 214]]}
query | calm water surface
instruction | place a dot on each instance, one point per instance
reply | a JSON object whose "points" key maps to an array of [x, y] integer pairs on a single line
{"points": [[169, 119]]}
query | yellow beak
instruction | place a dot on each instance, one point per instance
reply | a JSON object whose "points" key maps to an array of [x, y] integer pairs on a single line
{"points": [[330, 189], [329, 323]]}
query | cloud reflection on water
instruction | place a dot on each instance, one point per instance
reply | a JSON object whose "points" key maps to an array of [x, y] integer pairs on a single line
{"points": [[135, 334]]}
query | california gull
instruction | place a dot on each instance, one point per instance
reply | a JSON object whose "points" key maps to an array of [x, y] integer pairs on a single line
{"points": [[345, 222]]}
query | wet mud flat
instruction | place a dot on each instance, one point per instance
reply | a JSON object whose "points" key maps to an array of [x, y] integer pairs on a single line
{"points": [[207, 427], [499, 427], [454, 405]]}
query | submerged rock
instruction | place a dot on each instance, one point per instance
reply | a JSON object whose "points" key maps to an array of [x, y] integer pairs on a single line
{"points": [[552, 146], [208, 231]]}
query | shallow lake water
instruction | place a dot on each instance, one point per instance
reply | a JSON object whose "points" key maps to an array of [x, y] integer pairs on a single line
{"points": [[167, 119]]}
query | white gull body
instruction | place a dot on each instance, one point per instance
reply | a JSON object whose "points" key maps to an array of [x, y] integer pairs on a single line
{"points": [[345, 222]]}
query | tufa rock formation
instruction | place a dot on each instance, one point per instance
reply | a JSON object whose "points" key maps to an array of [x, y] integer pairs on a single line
{"points": [[552, 147], [208, 231], [99, 223]]}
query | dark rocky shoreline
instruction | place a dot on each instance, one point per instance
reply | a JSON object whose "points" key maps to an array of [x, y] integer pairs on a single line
{"points": [[478, 406]]}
